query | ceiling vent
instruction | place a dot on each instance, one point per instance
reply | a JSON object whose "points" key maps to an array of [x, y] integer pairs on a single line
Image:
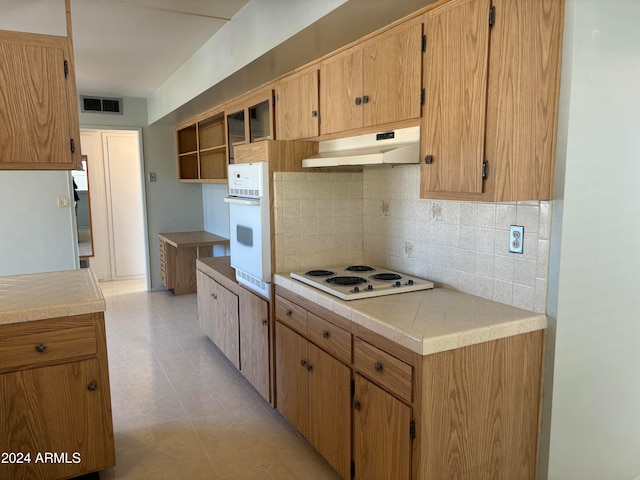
{"points": [[101, 105]]}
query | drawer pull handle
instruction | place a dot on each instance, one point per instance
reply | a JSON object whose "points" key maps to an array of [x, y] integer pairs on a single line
{"points": [[303, 363], [377, 367], [325, 334], [41, 347], [356, 405], [92, 387], [264, 321], [288, 312]]}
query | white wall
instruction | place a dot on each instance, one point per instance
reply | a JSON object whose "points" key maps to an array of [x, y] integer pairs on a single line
{"points": [[216, 213], [594, 310], [36, 235]]}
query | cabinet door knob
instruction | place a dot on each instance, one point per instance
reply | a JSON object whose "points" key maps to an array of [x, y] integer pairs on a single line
{"points": [[358, 100], [314, 113], [92, 387], [428, 159], [303, 363], [214, 296], [356, 405], [288, 312], [325, 334], [264, 321], [377, 367], [309, 368], [365, 99], [41, 347]]}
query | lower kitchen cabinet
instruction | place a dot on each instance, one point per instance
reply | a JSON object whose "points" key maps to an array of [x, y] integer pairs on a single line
{"points": [[313, 392], [218, 316], [469, 413], [237, 321], [381, 434], [55, 398], [254, 341]]}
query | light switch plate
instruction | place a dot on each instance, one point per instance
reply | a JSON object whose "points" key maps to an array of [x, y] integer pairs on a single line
{"points": [[63, 202], [153, 177], [516, 238]]}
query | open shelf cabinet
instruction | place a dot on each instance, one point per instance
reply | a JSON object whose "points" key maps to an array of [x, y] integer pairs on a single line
{"points": [[202, 150]]}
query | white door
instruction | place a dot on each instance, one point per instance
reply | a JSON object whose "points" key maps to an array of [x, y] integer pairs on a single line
{"points": [[121, 151]]}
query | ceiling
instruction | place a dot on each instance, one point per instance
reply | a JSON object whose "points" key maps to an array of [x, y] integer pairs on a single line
{"points": [[130, 47]]}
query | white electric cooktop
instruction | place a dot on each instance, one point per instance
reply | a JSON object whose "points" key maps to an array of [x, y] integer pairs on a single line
{"points": [[361, 281]]}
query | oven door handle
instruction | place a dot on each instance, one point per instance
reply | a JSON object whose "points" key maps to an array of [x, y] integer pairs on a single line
{"points": [[242, 201]]}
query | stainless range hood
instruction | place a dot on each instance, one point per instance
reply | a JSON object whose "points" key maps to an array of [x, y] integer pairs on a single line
{"points": [[393, 147]]}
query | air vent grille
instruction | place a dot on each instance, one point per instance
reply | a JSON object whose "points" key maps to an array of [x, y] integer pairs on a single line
{"points": [[101, 105]]}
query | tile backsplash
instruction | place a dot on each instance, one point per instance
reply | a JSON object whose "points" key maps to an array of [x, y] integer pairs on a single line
{"points": [[377, 217]]}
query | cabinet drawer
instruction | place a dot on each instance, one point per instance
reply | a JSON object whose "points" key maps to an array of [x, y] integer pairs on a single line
{"points": [[163, 246], [163, 256], [163, 277], [327, 336], [37, 349], [383, 368], [291, 314]]}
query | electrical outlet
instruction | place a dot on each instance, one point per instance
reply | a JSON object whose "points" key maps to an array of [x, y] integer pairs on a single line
{"points": [[153, 177], [516, 239], [63, 202]]}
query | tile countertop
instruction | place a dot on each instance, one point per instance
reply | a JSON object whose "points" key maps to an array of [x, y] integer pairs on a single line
{"points": [[36, 296], [427, 321]]}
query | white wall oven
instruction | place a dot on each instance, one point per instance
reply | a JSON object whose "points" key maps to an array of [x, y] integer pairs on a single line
{"points": [[249, 225]]}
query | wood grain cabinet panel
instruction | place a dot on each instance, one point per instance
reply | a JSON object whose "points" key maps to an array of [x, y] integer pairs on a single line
{"points": [[55, 397], [254, 341], [374, 83], [313, 393], [218, 317], [297, 106], [381, 434], [492, 74], [38, 107]]}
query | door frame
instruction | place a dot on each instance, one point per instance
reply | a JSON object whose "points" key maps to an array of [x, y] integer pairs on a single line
{"points": [[143, 192]]}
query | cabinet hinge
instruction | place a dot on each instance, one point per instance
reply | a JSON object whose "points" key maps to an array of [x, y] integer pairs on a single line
{"points": [[66, 69], [422, 96], [353, 469], [485, 170], [352, 388], [492, 17], [424, 43], [72, 145], [412, 429]]}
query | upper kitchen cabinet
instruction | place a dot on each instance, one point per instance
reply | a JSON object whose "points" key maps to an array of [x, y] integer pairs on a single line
{"points": [[374, 83], [492, 70], [39, 127], [250, 119], [297, 111], [202, 149]]}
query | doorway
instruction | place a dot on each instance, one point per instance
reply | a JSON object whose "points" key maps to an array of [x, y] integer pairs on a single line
{"points": [[118, 211]]}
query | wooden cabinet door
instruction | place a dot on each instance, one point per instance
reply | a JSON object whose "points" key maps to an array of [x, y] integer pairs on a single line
{"points": [[254, 341], [226, 319], [206, 306], [392, 77], [522, 98], [297, 114], [52, 409], [36, 98], [340, 87], [330, 409], [292, 378], [455, 76], [381, 444]]}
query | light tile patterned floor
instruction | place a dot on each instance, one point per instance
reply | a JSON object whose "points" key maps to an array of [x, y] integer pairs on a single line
{"points": [[180, 410]]}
